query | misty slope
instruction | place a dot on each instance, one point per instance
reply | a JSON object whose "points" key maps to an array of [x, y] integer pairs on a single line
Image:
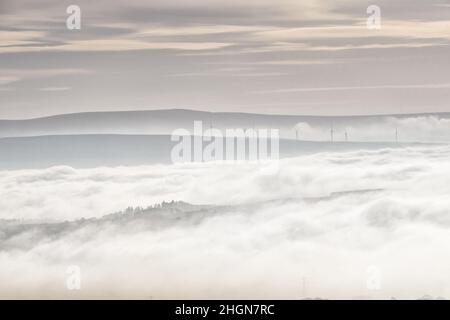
{"points": [[88, 151], [165, 121], [174, 214]]}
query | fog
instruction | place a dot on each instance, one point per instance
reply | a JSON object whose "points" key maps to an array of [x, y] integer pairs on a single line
{"points": [[407, 129], [320, 225]]}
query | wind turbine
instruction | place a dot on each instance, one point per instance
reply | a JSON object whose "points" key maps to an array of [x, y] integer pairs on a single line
{"points": [[332, 132]]}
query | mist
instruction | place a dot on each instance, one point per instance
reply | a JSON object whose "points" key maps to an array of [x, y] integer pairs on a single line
{"points": [[407, 129], [311, 226]]}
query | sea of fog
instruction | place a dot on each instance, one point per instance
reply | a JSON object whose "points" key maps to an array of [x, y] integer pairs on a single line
{"points": [[361, 224]]}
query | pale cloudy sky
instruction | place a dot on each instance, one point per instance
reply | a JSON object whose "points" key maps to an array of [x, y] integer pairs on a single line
{"points": [[269, 56]]}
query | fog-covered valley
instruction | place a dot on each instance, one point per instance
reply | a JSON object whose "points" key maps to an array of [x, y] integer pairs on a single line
{"points": [[322, 224]]}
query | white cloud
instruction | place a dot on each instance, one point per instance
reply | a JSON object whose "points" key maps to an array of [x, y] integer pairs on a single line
{"points": [[8, 79], [409, 129], [402, 29], [54, 89], [300, 228], [15, 75], [353, 88]]}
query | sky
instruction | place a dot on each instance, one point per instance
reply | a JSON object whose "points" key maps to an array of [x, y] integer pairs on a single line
{"points": [[266, 56]]}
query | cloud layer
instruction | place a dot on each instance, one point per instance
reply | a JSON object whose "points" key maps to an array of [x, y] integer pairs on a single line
{"points": [[315, 227], [307, 56], [430, 129]]}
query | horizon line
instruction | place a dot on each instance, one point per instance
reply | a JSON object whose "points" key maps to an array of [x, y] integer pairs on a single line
{"points": [[227, 112]]}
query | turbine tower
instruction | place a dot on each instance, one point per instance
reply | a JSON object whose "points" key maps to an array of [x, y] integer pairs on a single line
{"points": [[332, 132]]}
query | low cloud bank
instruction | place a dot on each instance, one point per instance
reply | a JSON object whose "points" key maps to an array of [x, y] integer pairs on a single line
{"points": [[412, 129], [319, 225]]}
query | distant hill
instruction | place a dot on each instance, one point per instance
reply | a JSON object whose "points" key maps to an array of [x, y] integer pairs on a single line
{"points": [[157, 122], [88, 151]]}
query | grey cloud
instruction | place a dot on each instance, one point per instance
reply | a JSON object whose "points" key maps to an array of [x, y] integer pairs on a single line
{"points": [[360, 57]]}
